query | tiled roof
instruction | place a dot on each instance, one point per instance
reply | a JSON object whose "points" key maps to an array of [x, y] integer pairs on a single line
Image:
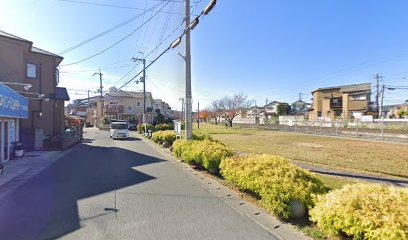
{"points": [[8, 35], [33, 49], [349, 88]]}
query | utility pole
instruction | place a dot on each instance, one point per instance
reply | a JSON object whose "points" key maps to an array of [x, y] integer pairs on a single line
{"points": [[377, 95], [188, 110], [198, 115], [300, 96], [100, 81], [143, 79], [380, 115], [182, 108], [266, 101]]}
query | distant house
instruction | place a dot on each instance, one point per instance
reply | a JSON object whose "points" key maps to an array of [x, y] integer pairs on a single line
{"points": [[300, 108], [340, 102], [395, 111], [271, 108]]}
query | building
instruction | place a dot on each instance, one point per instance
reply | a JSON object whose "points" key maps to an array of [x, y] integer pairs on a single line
{"points": [[271, 108], [300, 108], [123, 105], [162, 107], [13, 108], [397, 111], [341, 102], [22, 63]]}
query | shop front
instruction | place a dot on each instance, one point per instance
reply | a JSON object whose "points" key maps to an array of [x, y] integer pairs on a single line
{"points": [[13, 107]]}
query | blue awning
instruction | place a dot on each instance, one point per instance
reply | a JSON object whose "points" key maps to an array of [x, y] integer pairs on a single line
{"points": [[12, 104]]}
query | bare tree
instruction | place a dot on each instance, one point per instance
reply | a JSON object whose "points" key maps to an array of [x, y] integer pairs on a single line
{"points": [[215, 111], [232, 106]]}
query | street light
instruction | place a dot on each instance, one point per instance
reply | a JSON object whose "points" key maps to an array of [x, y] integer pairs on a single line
{"points": [[210, 7], [27, 86]]}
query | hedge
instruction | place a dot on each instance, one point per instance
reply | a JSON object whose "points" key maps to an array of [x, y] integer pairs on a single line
{"points": [[164, 127], [363, 211], [164, 136], [206, 153], [278, 182]]}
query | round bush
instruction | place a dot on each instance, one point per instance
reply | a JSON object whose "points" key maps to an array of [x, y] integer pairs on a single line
{"points": [[363, 211], [277, 181]]}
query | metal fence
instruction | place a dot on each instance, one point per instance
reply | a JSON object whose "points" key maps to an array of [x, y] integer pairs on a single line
{"points": [[379, 130]]}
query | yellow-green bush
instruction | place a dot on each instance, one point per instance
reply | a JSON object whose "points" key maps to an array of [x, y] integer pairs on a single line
{"points": [[206, 153], [164, 136], [277, 181], [363, 211]]}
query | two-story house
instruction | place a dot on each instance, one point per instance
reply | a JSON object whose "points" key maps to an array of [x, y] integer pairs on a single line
{"points": [[124, 105], [22, 63], [162, 107], [340, 102]]}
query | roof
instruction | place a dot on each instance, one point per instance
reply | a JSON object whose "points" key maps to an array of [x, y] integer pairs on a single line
{"points": [[61, 94], [120, 93], [33, 49], [348, 88], [272, 104]]}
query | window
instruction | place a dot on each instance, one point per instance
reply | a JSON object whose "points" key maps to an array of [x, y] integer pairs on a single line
{"points": [[138, 104], [31, 70], [319, 114], [359, 98], [129, 108], [56, 76], [113, 103]]}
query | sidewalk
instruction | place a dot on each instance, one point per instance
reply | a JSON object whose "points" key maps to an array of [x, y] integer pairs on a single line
{"points": [[17, 172]]}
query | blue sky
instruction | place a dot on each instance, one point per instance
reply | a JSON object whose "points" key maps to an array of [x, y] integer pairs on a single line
{"points": [[268, 49]]}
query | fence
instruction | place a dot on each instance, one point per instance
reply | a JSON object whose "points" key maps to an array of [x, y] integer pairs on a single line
{"points": [[380, 129]]}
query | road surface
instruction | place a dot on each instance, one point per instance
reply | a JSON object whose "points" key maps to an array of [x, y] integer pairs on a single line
{"points": [[155, 199]]}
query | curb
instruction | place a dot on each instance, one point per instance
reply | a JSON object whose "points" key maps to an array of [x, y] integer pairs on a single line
{"points": [[283, 231]]}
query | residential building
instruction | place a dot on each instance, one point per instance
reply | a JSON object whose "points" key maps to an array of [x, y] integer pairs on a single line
{"points": [[341, 102], [23, 63], [162, 107], [300, 108], [124, 105], [398, 111], [84, 108], [271, 108]]}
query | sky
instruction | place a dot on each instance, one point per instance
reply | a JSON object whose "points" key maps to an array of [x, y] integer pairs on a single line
{"points": [[268, 49]]}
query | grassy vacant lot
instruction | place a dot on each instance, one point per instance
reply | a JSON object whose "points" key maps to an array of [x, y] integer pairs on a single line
{"points": [[358, 155]]}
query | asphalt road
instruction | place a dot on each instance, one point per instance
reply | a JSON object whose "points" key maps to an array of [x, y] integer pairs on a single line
{"points": [[155, 199]]}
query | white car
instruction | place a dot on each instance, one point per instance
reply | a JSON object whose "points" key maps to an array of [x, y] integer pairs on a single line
{"points": [[119, 130]]}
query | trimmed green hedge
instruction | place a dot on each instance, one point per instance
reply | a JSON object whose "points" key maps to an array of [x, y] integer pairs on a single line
{"points": [[363, 211], [164, 127], [277, 181], [164, 136], [206, 153]]}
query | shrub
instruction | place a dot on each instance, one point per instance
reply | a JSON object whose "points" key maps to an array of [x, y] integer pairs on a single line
{"points": [[140, 128], [277, 181], [150, 127], [206, 153], [363, 211], [164, 136], [164, 127]]}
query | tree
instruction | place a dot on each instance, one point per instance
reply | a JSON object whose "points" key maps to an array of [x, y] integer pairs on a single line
{"points": [[232, 106], [214, 111], [160, 118], [205, 114], [283, 109]]}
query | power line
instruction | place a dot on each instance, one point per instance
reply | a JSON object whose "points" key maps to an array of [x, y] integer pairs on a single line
{"points": [[116, 43], [108, 30], [115, 6]]}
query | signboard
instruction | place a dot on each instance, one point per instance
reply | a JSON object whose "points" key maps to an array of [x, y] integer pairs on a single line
{"points": [[12, 104], [177, 128]]}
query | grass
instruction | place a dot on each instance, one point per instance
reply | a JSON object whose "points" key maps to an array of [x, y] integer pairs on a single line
{"points": [[358, 155]]}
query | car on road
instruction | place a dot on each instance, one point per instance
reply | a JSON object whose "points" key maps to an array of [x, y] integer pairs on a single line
{"points": [[119, 130]]}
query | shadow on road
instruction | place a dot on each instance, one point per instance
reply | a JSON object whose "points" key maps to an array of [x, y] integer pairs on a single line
{"points": [[46, 207]]}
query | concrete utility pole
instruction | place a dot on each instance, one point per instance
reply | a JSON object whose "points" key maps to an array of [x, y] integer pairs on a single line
{"points": [[380, 113], [182, 108], [300, 96], [188, 110], [100, 81], [198, 115], [377, 95], [143, 80]]}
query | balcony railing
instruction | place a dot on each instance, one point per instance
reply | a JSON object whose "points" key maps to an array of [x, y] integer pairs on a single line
{"points": [[336, 105], [114, 109]]}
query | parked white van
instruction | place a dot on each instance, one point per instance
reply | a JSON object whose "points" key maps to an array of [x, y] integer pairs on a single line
{"points": [[119, 130]]}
